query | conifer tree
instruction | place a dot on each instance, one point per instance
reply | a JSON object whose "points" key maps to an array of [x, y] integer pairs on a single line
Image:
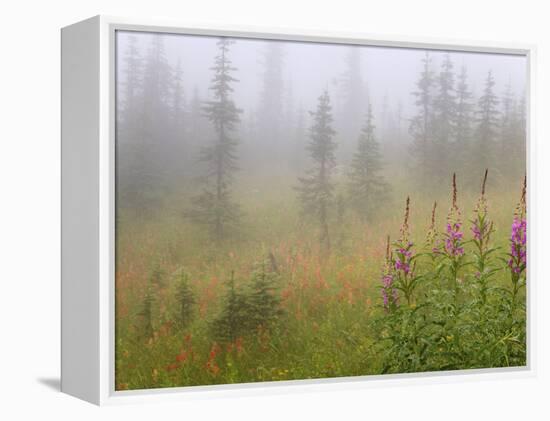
{"points": [[214, 207], [232, 322], [421, 126], [486, 132], [144, 174], [270, 108], [367, 188], [353, 91], [132, 83], [178, 115], [445, 111], [463, 128], [520, 128], [146, 312], [128, 129], [185, 299], [263, 302], [316, 189], [507, 135]]}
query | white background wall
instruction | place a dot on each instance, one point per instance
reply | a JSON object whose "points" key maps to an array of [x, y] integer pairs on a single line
{"points": [[29, 210]]}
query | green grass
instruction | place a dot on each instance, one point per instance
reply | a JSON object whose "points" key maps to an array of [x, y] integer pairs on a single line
{"points": [[332, 319]]}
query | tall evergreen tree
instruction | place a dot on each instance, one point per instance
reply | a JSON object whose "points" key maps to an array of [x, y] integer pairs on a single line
{"points": [[178, 159], [353, 91], [128, 128], [508, 122], [316, 188], [445, 111], [463, 128], [512, 135], [421, 126], [486, 132], [367, 187], [214, 207], [144, 173], [270, 108], [131, 84]]}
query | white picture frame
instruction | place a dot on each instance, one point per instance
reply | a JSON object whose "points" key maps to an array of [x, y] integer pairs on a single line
{"points": [[87, 360]]}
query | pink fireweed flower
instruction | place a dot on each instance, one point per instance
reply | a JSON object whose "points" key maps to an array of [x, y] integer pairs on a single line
{"points": [[453, 240], [518, 245], [390, 295], [518, 236], [453, 234], [403, 251], [476, 231], [482, 227], [432, 240]]}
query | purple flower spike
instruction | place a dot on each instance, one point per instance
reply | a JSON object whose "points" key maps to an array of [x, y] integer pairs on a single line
{"points": [[518, 245]]}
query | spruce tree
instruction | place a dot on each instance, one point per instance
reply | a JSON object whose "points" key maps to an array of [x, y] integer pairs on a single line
{"points": [[143, 176], [146, 312], [214, 207], [264, 302], [445, 111], [178, 116], [353, 91], [520, 130], [270, 108], [185, 299], [507, 138], [233, 321], [131, 83], [463, 128], [421, 126], [486, 132], [368, 189], [316, 189], [129, 138]]}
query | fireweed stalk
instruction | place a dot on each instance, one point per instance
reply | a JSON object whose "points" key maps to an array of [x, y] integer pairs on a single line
{"points": [[517, 262], [390, 295], [432, 238], [482, 228], [404, 260], [453, 248]]}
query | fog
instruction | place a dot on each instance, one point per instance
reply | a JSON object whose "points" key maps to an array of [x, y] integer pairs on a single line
{"points": [[278, 84], [311, 67]]}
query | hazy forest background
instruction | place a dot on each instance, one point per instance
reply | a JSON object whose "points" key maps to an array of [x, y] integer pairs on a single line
{"points": [[257, 185]]}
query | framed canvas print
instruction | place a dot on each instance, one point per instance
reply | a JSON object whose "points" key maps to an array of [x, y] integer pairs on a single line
{"points": [[245, 208]]}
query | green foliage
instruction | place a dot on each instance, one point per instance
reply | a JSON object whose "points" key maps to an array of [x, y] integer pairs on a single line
{"points": [[157, 276], [445, 119], [251, 307], [368, 190], [422, 125], [263, 301], [214, 207], [316, 189], [484, 146], [146, 312], [185, 299], [458, 317], [233, 321]]}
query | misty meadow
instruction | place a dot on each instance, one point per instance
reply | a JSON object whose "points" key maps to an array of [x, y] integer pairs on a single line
{"points": [[298, 210]]}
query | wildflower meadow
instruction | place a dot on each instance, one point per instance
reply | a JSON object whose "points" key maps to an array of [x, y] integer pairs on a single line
{"points": [[308, 210]]}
